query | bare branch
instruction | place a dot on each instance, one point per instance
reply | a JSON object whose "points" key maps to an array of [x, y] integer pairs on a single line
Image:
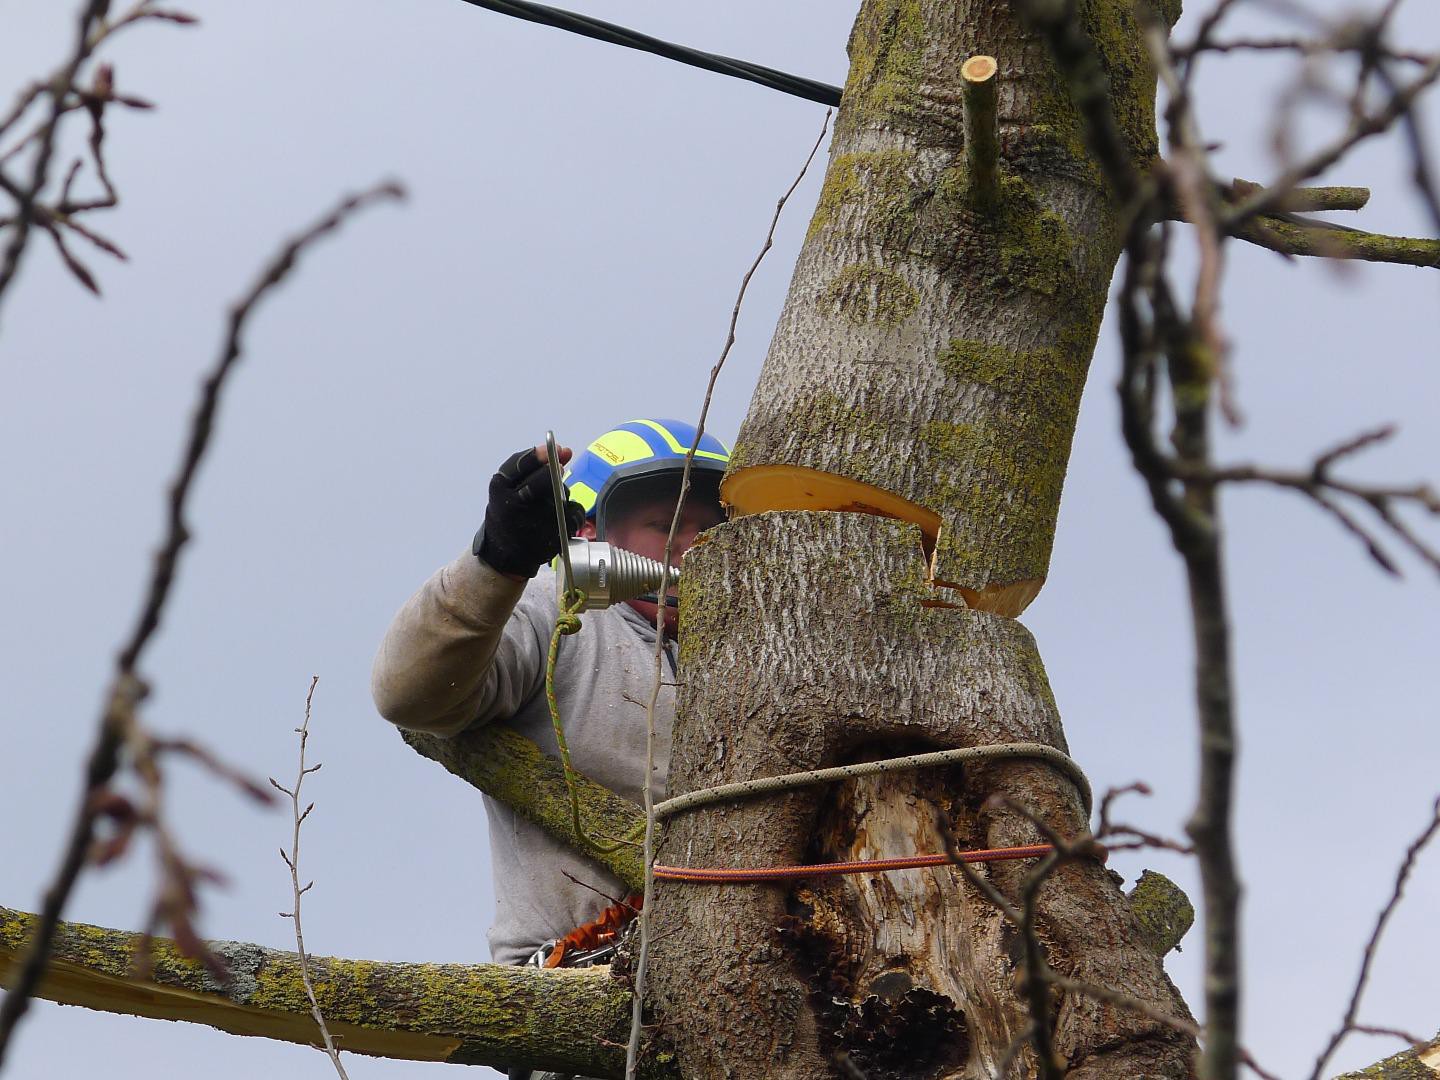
{"points": [[66, 96], [292, 861], [1318, 484], [473, 1014], [1189, 168], [1325, 241], [119, 726], [1407, 864], [1305, 200], [515, 771], [1300, 46], [982, 138], [1150, 324]]}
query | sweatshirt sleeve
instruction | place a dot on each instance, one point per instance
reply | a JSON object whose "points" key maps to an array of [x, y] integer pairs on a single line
{"points": [[469, 647]]}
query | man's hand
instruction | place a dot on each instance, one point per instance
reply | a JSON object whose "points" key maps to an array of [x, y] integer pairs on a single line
{"points": [[518, 536]]}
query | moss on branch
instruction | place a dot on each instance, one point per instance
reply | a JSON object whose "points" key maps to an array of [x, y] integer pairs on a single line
{"points": [[1417, 1063], [1291, 238], [513, 770], [471, 1014], [1164, 911]]}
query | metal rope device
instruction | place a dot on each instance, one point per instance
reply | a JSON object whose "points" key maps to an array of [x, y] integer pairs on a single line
{"points": [[601, 573]]}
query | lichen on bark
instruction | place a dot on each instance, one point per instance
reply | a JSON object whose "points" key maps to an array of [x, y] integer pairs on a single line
{"points": [[898, 263], [473, 1014]]}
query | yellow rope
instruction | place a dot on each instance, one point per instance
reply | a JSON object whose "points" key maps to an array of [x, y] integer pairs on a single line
{"points": [[568, 622]]}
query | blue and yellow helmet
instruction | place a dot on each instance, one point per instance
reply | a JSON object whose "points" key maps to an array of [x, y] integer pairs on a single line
{"points": [[627, 458]]}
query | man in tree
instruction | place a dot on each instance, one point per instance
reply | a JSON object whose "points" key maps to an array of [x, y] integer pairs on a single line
{"points": [[470, 647]]}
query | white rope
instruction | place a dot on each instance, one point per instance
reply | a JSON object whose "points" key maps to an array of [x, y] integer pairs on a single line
{"points": [[744, 789]]}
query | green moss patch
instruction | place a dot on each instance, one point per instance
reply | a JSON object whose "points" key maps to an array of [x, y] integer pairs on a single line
{"points": [[866, 294], [885, 49], [884, 179]]}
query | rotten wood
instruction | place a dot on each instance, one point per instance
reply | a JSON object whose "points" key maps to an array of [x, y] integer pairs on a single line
{"points": [[908, 973]]}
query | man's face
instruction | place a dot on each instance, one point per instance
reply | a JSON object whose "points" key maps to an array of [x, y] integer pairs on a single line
{"points": [[643, 528]]}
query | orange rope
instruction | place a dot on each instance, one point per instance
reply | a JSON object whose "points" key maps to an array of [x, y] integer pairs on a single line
{"points": [[859, 866]]}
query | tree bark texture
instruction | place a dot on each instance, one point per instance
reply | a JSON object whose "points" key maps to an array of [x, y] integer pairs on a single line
{"points": [[811, 640], [933, 347], [470, 1014], [928, 366]]}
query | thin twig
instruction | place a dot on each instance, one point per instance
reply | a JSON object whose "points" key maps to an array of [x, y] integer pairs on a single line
{"points": [[632, 1050], [119, 724], [1389, 1033], [1302, 46], [1196, 192], [1318, 484], [1141, 838], [66, 96], [1422, 172], [1347, 1024], [614, 900], [292, 861]]}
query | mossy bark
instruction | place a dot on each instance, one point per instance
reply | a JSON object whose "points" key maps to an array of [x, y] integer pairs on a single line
{"points": [[513, 770], [809, 640], [928, 366], [931, 350], [1417, 1063], [470, 1014]]}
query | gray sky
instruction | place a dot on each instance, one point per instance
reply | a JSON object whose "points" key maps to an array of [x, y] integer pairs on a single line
{"points": [[579, 221]]}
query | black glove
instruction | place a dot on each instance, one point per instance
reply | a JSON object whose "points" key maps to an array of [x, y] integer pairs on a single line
{"points": [[518, 536]]}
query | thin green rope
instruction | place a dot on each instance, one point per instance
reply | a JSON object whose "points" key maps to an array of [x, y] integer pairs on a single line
{"points": [[568, 622]]}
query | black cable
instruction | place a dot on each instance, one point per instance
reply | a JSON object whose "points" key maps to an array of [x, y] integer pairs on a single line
{"points": [[630, 39]]}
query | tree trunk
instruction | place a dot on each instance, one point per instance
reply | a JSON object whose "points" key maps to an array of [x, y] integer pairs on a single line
{"points": [[928, 367]]}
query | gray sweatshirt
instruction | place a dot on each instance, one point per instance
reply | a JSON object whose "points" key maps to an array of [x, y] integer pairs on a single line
{"points": [[469, 648]]}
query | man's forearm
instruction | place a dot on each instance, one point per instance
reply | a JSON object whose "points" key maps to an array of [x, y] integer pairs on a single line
{"points": [[434, 669]]}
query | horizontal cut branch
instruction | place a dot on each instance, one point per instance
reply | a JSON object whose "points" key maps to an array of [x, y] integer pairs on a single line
{"points": [[513, 770], [1293, 238], [1307, 200], [470, 1014], [982, 138], [1282, 232]]}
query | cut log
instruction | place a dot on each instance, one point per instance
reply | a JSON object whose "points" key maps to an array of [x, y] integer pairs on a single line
{"points": [[470, 1014]]}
